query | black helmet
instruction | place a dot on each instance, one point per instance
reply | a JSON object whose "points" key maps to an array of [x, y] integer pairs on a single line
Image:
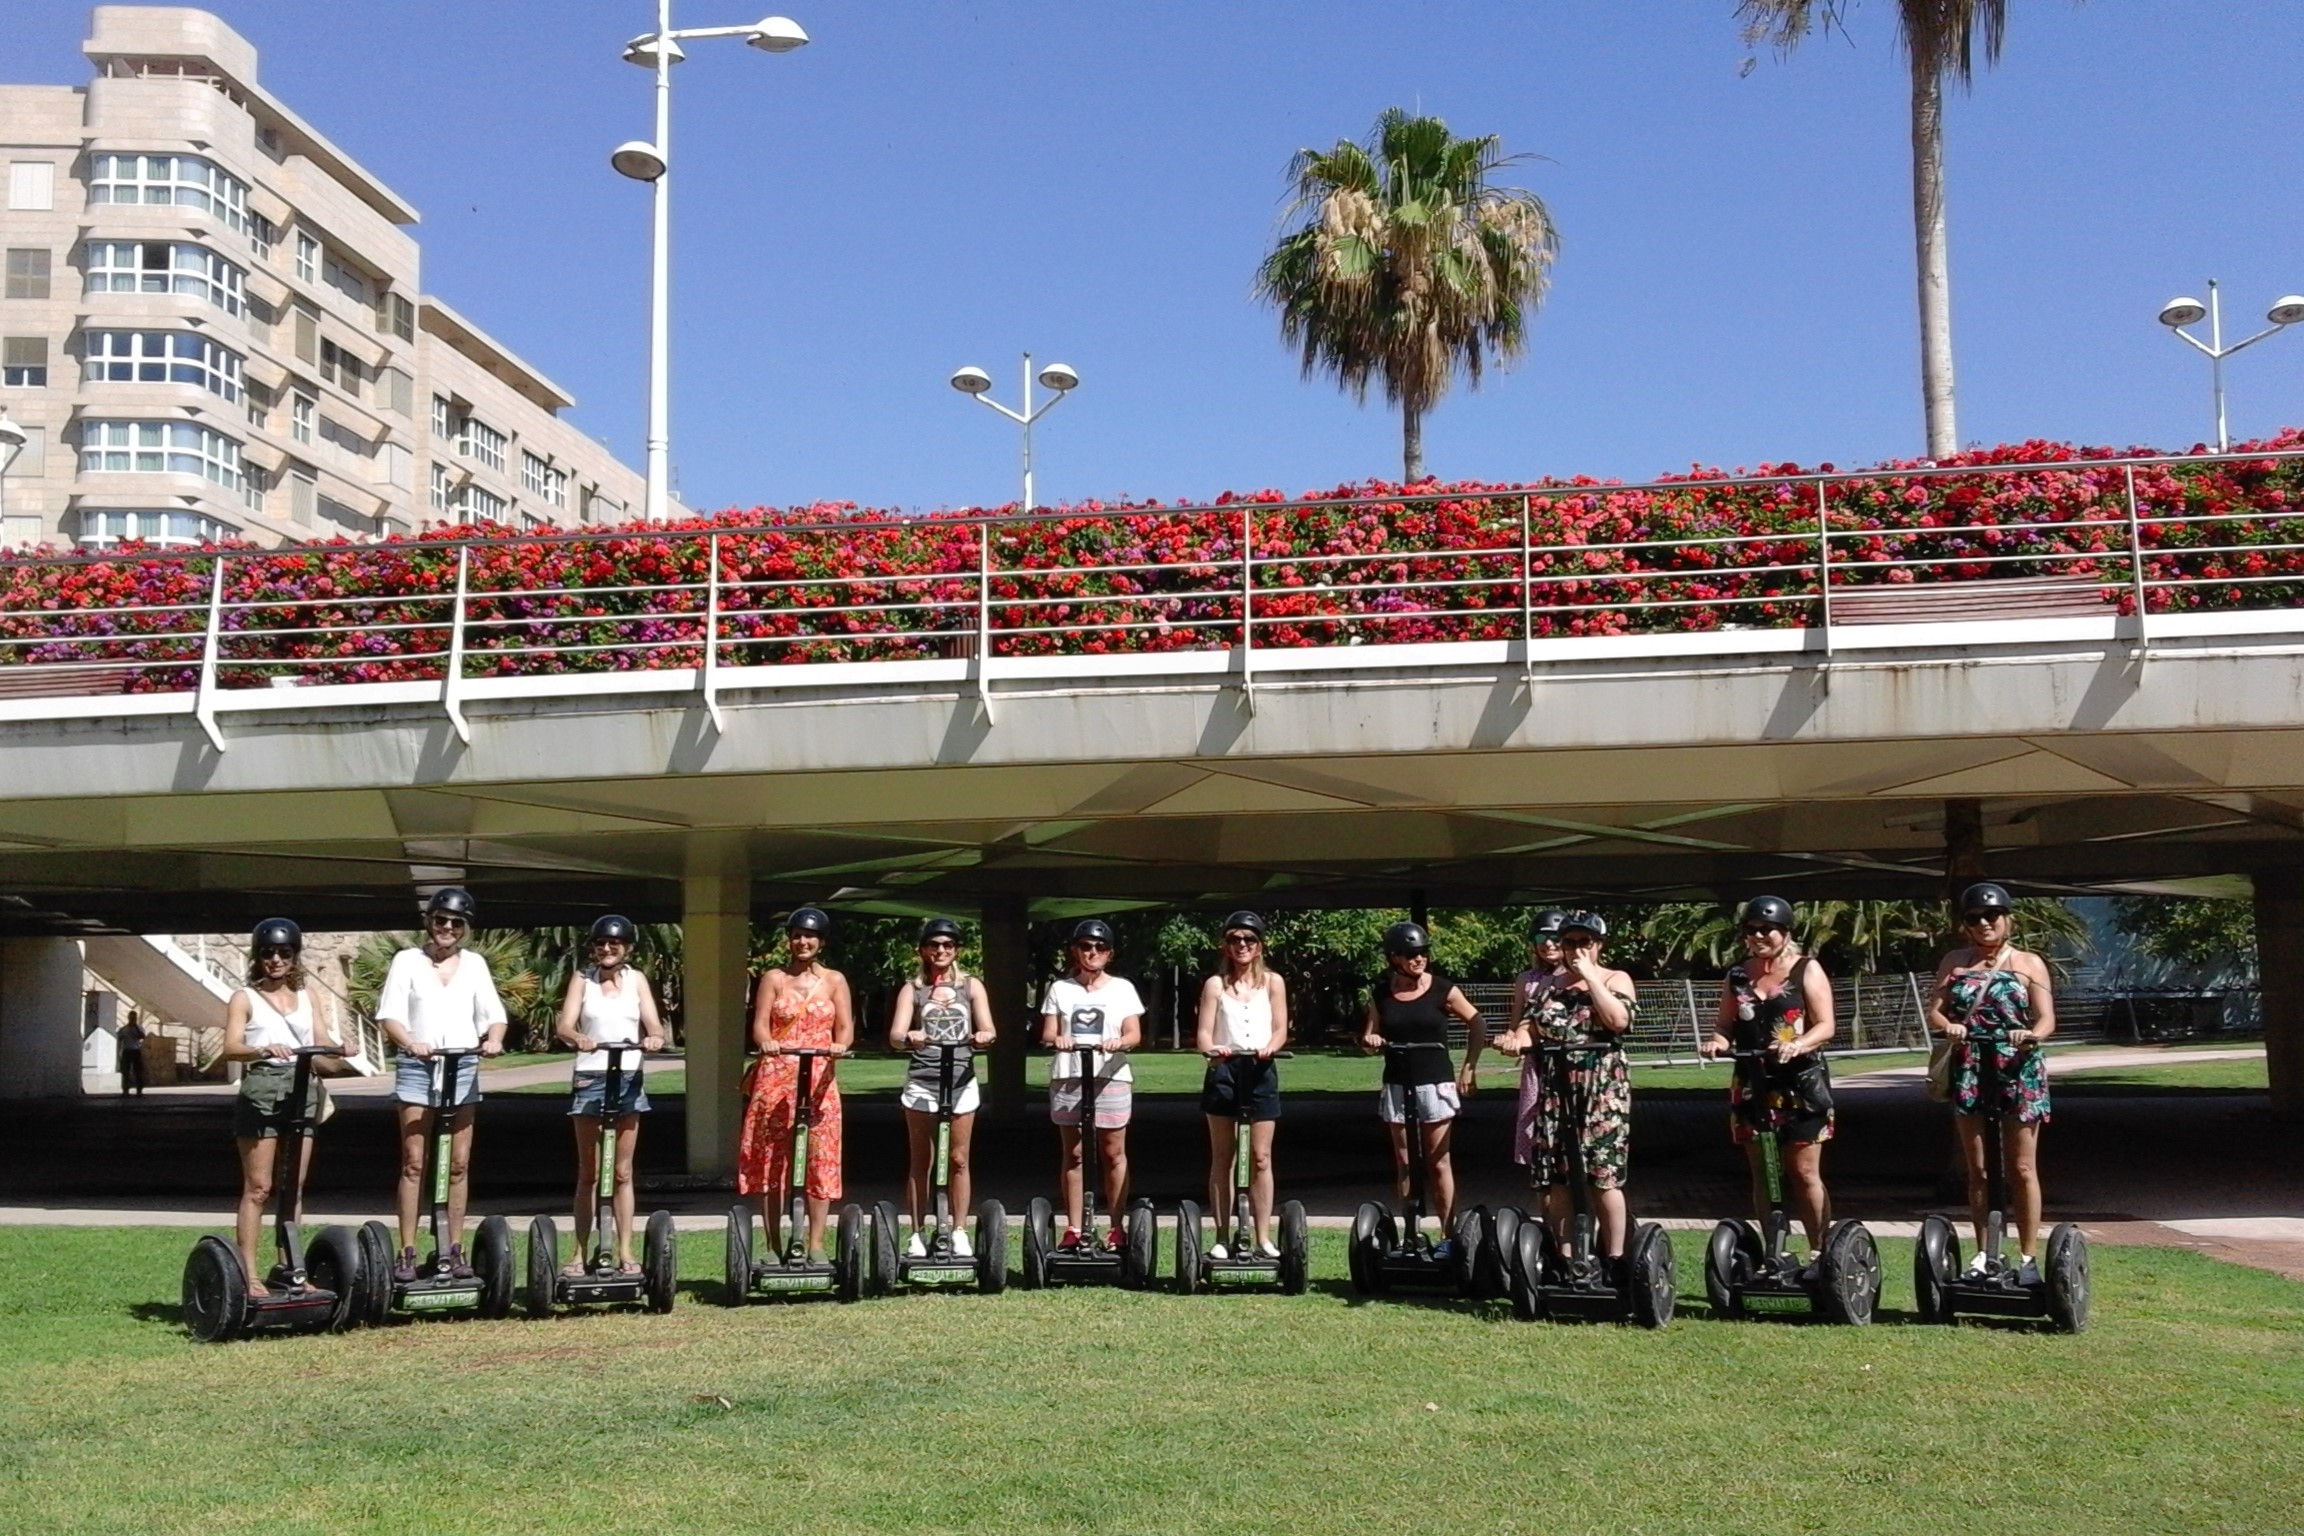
{"points": [[614, 927], [1586, 922], [809, 920], [1244, 921], [1407, 939], [276, 933], [1984, 896], [453, 900], [1092, 928], [1548, 924], [1768, 911], [939, 928]]}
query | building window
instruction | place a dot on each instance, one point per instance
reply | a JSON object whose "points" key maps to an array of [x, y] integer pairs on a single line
{"points": [[595, 507], [263, 234], [20, 532], [396, 315], [439, 487], [300, 408], [157, 266], [540, 480], [398, 391], [478, 440], [344, 280], [27, 272], [340, 368], [101, 527], [478, 504], [31, 186], [184, 180], [162, 357], [307, 258], [446, 419], [344, 515], [303, 494], [254, 483], [24, 362], [159, 448]]}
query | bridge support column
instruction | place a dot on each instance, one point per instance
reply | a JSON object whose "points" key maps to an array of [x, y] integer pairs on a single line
{"points": [[2280, 973], [1963, 846], [1008, 980], [40, 1011], [716, 948]]}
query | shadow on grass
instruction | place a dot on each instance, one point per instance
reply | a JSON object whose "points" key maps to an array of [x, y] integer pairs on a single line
{"points": [[167, 1312]]}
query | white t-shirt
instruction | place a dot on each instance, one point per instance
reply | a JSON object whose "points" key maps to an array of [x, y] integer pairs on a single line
{"points": [[447, 1017], [268, 1026], [609, 1019], [1082, 1011]]}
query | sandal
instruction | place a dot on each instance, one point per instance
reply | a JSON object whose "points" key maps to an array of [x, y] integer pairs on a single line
{"points": [[628, 1267], [573, 1270]]}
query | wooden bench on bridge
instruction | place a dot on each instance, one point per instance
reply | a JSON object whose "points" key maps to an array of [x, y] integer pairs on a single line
{"points": [[1955, 602], [38, 680]]}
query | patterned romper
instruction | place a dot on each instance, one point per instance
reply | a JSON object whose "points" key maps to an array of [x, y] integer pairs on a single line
{"points": [[764, 1148], [1535, 986], [1993, 1003], [1601, 1077]]}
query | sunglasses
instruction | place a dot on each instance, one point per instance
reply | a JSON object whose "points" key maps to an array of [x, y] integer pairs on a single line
{"points": [[1092, 947], [939, 944], [1973, 918], [1242, 938], [276, 952], [446, 922], [1756, 930], [610, 944]]}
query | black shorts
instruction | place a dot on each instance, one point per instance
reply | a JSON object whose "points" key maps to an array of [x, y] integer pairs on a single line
{"points": [[1241, 1080]]}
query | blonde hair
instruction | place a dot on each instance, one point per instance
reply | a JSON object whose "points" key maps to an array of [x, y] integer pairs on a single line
{"points": [[1256, 970]]}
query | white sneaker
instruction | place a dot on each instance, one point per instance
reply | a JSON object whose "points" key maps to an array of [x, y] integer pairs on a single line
{"points": [[917, 1248], [1976, 1264], [1267, 1250], [1216, 1251], [962, 1248]]}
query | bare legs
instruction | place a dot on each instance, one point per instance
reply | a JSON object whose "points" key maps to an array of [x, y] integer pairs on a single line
{"points": [[257, 1157], [1439, 1168], [1222, 1148], [415, 1127], [1803, 1177], [2020, 1159], [1112, 1152], [1609, 1203], [919, 1173], [588, 1184]]}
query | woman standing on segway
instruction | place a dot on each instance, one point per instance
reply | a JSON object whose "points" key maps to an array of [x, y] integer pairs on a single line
{"points": [[607, 1003], [1243, 1025], [939, 986], [1591, 1005], [1412, 1006], [1780, 1001], [264, 1023], [1547, 972], [1992, 996], [438, 997], [799, 1005], [1090, 1000]]}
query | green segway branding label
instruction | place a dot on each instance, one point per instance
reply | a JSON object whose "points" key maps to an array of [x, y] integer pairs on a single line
{"points": [[1244, 1275], [438, 1301], [940, 1274], [794, 1282]]}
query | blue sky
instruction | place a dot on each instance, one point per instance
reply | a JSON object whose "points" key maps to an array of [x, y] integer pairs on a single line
{"points": [[929, 185]]}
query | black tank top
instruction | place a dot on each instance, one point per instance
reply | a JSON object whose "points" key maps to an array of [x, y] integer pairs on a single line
{"points": [[1404, 1020], [1762, 1021]]}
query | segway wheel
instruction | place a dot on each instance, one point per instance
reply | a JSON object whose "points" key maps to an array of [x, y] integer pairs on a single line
{"points": [[2067, 1277], [1142, 1268], [884, 1260], [736, 1271], [660, 1261], [1188, 1248], [1527, 1282], [1471, 1236], [1503, 1249], [375, 1276], [1295, 1249], [991, 1248], [848, 1254], [215, 1292], [1365, 1256], [1722, 1276], [1039, 1224], [1654, 1280], [492, 1262], [543, 1266], [333, 1263], [1935, 1260], [1848, 1274]]}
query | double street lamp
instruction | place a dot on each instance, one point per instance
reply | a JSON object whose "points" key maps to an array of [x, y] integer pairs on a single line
{"points": [[977, 383], [651, 162], [2180, 312]]}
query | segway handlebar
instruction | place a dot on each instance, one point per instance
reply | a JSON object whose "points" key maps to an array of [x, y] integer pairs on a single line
{"points": [[806, 1050], [1411, 1045], [1226, 1053]]}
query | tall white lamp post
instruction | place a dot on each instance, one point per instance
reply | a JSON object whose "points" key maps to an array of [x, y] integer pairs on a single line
{"points": [[652, 162], [2180, 312], [12, 441], [975, 382]]}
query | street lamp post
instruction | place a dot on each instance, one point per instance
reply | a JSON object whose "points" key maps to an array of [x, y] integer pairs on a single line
{"points": [[12, 441], [975, 382], [651, 162], [2181, 311]]}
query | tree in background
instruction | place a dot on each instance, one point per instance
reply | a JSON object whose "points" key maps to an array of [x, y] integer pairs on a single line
{"points": [[2198, 933], [1408, 266]]}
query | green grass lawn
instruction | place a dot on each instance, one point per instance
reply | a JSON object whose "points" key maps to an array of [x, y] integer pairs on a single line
{"points": [[2182, 1410], [2243, 1074]]}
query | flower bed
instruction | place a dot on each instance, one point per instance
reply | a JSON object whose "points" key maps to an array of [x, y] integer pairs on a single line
{"points": [[1364, 564]]}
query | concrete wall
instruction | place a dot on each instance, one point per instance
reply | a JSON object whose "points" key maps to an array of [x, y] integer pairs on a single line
{"points": [[40, 1012]]}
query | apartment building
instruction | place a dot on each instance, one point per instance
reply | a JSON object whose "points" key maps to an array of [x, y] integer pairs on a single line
{"points": [[214, 325]]}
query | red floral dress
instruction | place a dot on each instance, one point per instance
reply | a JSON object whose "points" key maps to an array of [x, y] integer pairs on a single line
{"points": [[764, 1149]]}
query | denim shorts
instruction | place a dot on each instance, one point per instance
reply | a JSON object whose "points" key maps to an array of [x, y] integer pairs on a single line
{"points": [[589, 1094], [412, 1081]]}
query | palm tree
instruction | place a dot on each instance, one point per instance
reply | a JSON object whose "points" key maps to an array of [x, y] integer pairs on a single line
{"points": [[1941, 38], [1408, 265]]}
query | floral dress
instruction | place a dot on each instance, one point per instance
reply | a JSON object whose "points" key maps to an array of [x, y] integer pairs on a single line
{"points": [[1792, 1098], [1535, 986], [764, 1149], [1599, 1077], [1992, 1003]]}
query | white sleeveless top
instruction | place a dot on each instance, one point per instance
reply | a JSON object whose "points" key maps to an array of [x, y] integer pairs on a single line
{"points": [[1243, 1023], [268, 1026], [611, 1019]]}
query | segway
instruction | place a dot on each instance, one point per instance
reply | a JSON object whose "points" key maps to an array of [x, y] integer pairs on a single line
{"points": [[603, 1279], [1388, 1252], [437, 1288], [309, 1290], [1746, 1268], [1091, 1262], [947, 1030], [792, 1273], [1945, 1290], [1242, 1265], [1583, 1283]]}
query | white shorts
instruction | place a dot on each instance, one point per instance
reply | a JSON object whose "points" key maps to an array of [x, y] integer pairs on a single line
{"points": [[921, 1097], [1436, 1103]]}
